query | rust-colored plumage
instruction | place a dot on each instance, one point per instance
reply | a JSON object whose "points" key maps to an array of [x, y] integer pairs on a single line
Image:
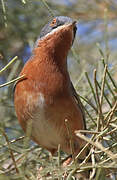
{"points": [[46, 95]]}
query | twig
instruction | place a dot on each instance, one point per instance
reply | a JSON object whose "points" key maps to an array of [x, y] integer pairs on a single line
{"points": [[109, 74], [11, 152], [14, 140], [49, 9], [110, 132], [59, 157], [110, 114], [93, 163], [98, 101], [103, 84], [89, 103], [71, 173], [105, 96], [92, 89], [3, 69], [4, 12], [89, 115], [70, 138], [88, 132], [85, 147], [99, 146], [12, 81]]}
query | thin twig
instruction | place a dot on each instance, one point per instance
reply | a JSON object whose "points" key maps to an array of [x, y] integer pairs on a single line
{"points": [[89, 115], [110, 114], [92, 89], [12, 81], [98, 101], [88, 132], [11, 152], [4, 13], [14, 140], [92, 105], [3, 69], [59, 157], [99, 146], [103, 84], [93, 163], [109, 75], [70, 138], [105, 96], [48, 8]]}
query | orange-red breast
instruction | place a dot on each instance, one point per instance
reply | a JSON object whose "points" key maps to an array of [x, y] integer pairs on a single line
{"points": [[46, 96]]}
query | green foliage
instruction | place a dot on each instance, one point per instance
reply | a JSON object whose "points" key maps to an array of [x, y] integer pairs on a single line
{"points": [[97, 88]]}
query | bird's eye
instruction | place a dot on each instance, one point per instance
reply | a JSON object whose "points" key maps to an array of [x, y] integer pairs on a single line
{"points": [[53, 23]]}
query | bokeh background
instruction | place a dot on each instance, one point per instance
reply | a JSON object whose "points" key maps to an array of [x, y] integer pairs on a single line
{"points": [[20, 25]]}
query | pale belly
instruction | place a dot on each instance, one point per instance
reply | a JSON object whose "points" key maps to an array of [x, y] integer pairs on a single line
{"points": [[48, 123], [47, 134]]}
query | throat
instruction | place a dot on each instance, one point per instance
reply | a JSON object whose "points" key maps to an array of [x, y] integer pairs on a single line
{"points": [[52, 69], [50, 55]]}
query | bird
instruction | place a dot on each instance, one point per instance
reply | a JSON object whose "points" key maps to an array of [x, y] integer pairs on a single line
{"points": [[46, 96]]}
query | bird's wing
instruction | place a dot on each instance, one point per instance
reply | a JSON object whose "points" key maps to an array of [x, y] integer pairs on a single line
{"points": [[79, 103]]}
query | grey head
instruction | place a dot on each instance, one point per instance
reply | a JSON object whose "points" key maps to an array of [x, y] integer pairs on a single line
{"points": [[56, 22]]}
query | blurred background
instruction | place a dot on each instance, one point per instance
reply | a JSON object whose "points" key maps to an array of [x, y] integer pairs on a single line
{"points": [[20, 25]]}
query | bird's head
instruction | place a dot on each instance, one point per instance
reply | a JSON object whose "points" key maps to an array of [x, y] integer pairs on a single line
{"points": [[59, 33]]}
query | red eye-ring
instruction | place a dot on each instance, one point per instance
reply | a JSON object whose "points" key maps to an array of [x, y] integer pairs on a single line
{"points": [[53, 22]]}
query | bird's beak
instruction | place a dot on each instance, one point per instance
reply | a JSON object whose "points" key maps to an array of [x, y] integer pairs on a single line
{"points": [[74, 23], [74, 29], [74, 26]]}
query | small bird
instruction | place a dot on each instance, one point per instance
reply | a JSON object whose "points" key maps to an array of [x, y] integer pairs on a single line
{"points": [[46, 96]]}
